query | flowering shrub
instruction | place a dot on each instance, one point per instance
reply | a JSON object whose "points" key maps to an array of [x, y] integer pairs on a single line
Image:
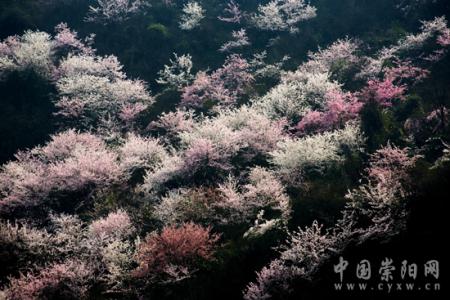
{"points": [[139, 153], [187, 205], [115, 225], [294, 157], [193, 13], [374, 210], [175, 249], [299, 257], [263, 192], [234, 132], [114, 11], [92, 88], [240, 39], [170, 167], [175, 122], [33, 50], [71, 161], [339, 109], [37, 50], [178, 73], [66, 38], [21, 245], [70, 279], [222, 87], [410, 47], [233, 12], [343, 52], [283, 15], [297, 93], [383, 92]]}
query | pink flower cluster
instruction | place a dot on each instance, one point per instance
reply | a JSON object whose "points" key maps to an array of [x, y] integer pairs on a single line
{"points": [[71, 277], [390, 163], [175, 246], [222, 87], [116, 224], [339, 109], [68, 38], [71, 161]]}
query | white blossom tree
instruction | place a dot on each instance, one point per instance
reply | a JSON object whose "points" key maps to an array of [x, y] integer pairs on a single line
{"points": [[283, 15], [193, 13]]}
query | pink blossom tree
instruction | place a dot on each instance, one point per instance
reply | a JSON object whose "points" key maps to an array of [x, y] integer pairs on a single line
{"points": [[222, 87], [383, 92], [115, 225], [175, 252], [339, 109], [71, 278], [232, 13], [70, 162]]}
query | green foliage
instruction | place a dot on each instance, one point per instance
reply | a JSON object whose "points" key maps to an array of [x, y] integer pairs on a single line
{"points": [[159, 28]]}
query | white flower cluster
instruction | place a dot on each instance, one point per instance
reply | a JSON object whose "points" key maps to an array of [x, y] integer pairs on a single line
{"points": [[283, 15], [178, 74], [297, 93], [240, 39], [294, 157], [107, 11], [33, 50], [193, 13]]}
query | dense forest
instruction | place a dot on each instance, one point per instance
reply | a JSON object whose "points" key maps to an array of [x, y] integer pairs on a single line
{"points": [[223, 149]]}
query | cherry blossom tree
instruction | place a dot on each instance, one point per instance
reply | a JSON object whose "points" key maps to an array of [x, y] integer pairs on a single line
{"points": [[299, 257], [106, 11], [93, 88], [232, 13], [173, 254], [221, 87], [178, 73], [283, 15], [264, 192], [193, 13], [294, 157], [339, 109], [71, 161], [240, 39], [69, 278]]}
